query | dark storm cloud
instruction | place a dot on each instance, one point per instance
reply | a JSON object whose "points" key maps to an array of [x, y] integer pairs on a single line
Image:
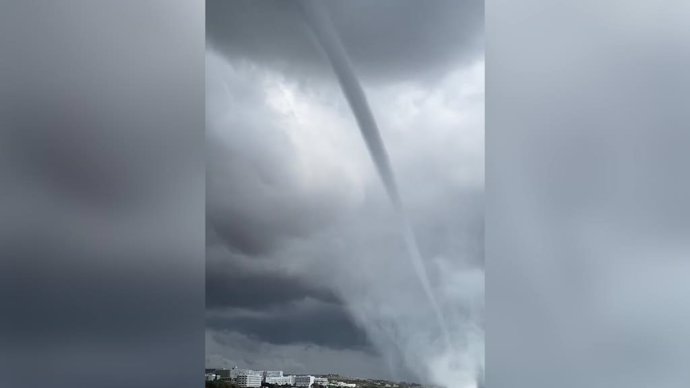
{"points": [[307, 322], [239, 287], [386, 38], [257, 230], [245, 234]]}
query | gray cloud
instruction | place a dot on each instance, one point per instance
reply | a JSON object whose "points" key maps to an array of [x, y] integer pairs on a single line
{"points": [[386, 39], [297, 322], [238, 286]]}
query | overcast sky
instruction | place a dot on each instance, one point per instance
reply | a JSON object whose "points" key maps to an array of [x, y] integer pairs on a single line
{"points": [[306, 268]]}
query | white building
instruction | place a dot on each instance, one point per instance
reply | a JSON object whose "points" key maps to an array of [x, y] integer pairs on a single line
{"points": [[235, 372], [273, 373], [304, 381], [321, 381], [280, 380], [342, 384], [248, 379]]}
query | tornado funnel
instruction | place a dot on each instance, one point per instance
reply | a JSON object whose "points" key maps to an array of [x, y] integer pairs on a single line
{"points": [[329, 41]]}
